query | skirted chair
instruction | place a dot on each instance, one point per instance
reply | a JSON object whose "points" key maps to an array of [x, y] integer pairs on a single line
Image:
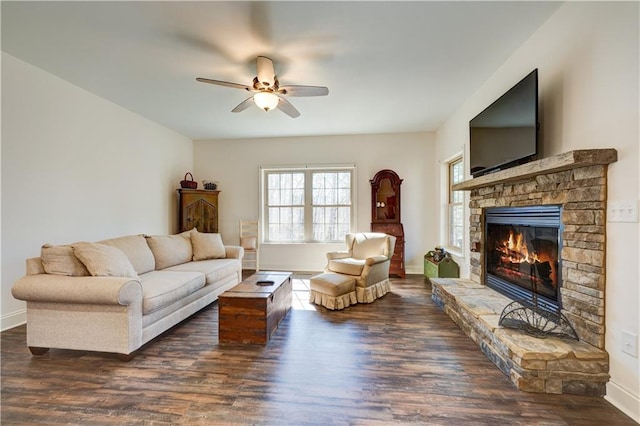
{"points": [[359, 274]]}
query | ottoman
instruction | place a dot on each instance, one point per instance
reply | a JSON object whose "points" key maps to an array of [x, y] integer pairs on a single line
{"points": [[333, 291]]}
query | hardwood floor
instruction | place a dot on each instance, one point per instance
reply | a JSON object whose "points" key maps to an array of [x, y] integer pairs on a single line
{"points": [[398, 360]]}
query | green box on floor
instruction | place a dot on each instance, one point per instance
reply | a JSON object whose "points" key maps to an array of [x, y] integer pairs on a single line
{"points": [[445, 268]]}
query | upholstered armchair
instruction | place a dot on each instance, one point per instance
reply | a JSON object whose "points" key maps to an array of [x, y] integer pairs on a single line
{"points": [[367, 260]]}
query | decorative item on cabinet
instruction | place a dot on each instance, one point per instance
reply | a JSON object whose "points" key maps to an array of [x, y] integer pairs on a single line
{"points": [[198, 209], [188, 182], [385, 214], [209, 185]]}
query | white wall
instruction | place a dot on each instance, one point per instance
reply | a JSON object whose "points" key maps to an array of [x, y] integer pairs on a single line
{"points": [[76, 167], [235, 164], [587, 56]]}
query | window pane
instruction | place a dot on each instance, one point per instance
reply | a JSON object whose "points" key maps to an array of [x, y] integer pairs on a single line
{"points": [[274, 197], [318, 196], [286, 180], [274, 181], [344, 196], [344, 180], [455, 219], [274, 215], [318, 215], [458, 171], [297, 215], [331, 196], [297, 197], [298, 181]]}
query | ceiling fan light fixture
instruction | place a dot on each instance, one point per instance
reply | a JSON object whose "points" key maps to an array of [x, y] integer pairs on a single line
{"points": [[266, 100]]}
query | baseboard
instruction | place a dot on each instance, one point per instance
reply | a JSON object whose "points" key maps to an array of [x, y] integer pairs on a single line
{"points": [[417, 270], [13, 319], [623, 400]]}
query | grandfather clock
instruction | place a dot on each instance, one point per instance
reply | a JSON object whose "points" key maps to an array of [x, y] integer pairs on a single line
{"points": [[385, 214]]}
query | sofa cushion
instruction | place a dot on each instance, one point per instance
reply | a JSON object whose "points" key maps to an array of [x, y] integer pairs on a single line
{"points": [[60, 260], [169, 250], [162, 288], [104, 261], [214, 269], [207, 246], [136, 249], [369, 247], [349, 266]]}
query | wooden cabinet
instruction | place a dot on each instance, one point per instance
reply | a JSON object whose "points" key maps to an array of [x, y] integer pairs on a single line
{"points": [[385, 214], [198, 209]]}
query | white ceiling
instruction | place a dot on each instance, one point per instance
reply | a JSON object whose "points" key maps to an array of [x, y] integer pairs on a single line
{"points": [[390, 66]]}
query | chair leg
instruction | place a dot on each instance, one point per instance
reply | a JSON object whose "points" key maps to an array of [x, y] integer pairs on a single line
{"points": [[127, 357], [38, 351]]}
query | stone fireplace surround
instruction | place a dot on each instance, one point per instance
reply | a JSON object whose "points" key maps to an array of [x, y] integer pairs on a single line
{"points": [[577, 181]]}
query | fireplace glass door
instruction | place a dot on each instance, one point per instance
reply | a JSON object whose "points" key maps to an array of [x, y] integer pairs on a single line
{"points": [[522, 247]]}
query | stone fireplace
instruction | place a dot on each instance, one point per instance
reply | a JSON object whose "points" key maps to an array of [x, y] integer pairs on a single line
{"points": [[563, 199]]}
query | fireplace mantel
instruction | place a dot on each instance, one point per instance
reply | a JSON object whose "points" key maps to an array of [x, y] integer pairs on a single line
{"points": [[565, 161]]}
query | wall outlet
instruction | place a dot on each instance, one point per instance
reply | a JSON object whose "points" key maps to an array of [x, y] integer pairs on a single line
{"points": [[622, 211], [630, 343]]}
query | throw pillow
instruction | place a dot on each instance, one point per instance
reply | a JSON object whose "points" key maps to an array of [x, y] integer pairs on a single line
{"points": [[60, 260], [207, 246], [104, 261], [136, 249], [248, 243], [171, 250]]}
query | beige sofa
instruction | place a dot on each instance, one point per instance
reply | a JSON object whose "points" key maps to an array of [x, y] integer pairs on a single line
{"points": [[118, 294]]}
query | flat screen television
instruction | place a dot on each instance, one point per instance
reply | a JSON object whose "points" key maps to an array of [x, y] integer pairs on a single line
{"points": [[505, 134]]}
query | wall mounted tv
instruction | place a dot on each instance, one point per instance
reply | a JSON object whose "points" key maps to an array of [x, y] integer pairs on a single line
{"points": [[505, 134]]}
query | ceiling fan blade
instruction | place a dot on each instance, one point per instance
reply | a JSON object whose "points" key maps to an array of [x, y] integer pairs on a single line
{"points": [[266, 73], [286, 107], [303, 90], [224, 83], [243, 105]]}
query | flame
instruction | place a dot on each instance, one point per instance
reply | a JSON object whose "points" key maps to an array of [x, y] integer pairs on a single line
{"points": [[514, 250]]}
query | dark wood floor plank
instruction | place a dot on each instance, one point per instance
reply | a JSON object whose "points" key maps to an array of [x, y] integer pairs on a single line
{"points": [[396, 361]]}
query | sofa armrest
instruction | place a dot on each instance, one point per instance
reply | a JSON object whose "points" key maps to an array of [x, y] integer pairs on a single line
{"points": [[375, 259], [234, 252], [89, 290], [338, 255]]}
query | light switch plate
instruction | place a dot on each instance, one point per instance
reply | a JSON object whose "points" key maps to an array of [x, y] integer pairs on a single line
{"points": [[622, 211]]}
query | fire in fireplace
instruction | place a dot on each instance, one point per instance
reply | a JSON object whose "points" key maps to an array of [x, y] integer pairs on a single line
{"points": [[522, 246]]}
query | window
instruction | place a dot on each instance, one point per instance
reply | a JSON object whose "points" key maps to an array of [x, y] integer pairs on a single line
{"points": [[310, 204], [455, 204]]}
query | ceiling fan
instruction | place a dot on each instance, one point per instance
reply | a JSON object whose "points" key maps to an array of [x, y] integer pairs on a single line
{"points": [[267, 92]]}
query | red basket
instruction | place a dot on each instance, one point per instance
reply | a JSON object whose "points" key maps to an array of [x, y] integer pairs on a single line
{"points": [[191, 184]]}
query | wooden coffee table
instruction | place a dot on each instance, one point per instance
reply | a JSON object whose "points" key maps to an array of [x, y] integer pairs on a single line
{"points": [[251, 313]]}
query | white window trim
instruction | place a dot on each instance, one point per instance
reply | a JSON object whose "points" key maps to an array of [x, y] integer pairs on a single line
{"points": [[444, 203], [264, 170]]}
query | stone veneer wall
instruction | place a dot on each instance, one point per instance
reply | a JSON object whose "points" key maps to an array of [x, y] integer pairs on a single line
{"points": [[582, 193]]}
